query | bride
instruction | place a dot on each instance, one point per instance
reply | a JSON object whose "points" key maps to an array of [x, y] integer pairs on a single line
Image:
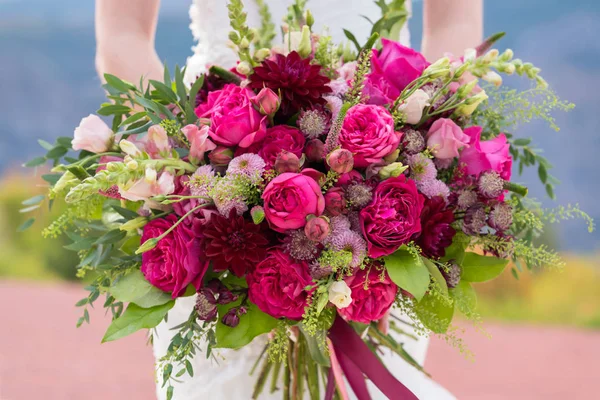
{"points": [[125, 47]]}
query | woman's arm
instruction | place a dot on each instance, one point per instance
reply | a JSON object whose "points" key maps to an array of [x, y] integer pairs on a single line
{"points": [[125, 32], [451, 26]]}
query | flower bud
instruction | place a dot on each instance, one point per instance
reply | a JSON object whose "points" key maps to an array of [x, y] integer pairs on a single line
{"points": [[392, 170], [470, 55], [461, 70], [221, 156], [258, 214], [439, 68], [507, 55], [133, 225], [466, 89], [286, 162], [113, 167], [305, 46], [261, 54], [393, 156], [493, 77], [491, 56], [267, 102], [244, 43], [233, 36], [471, 104], [147, 246], [232, 317], [341, 161], [309, 18], [67, 180], [150, 175], [129, 148], [317, 228], [340, 294], [314, 150], [243, 68], [206, 305], [132, 165], [509, 69]]}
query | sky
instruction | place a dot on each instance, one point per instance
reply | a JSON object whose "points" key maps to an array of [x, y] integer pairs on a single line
{"points": [[48, 81]]}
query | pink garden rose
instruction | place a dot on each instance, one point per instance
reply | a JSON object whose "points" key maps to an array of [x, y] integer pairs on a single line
{"points": [[393, 216], [92, 135], [234, 120], [277, 285], [371, 303], [445, 138], [487, 155], [199, 141], [176, 261], [368, 132], [281, 137], [289, 199], [335, 201]]}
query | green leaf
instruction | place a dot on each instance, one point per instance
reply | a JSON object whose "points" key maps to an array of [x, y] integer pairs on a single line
{"points": [[126, 213], [189, 368], [35, 162], [464, 297], [478, 268], [252, 324], [166, 75], [180, 86], [82, 244], [352, 38], [47, 146], [118, 83], [195, 89], [113, 236], [134, 288], [26, 225], [550, 191], [522, 142], [64, 141], [437, 276], [408, 272], [456, 251], [28, 209], [131, 245], [57, 152], [113, 109], [135, 318], [435, 313], [166, 92], [316, 351], [34, 200], [133, 118], [543, 173]]}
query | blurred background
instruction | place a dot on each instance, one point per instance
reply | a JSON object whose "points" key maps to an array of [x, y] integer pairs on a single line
{"points": [[48, 83]]}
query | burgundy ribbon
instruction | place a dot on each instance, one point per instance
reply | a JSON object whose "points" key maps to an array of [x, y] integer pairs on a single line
{"points": [[357, 359]]}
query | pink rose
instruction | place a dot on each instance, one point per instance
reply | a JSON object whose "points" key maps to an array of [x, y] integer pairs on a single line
{"points": [[234, 121], [277, 285], [317, 228], [286, 162], [335, 201], [279, 138], [340, 161], [289, 199], [445, 138], [368, 132], [314, 150], [267, 101], [92, 135], [489, 155], [345, 180], [199, 142], [370, 303], [176, 261], [393, 216], [221, 156]]}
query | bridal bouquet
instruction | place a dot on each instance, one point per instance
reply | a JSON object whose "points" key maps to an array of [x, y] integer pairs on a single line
{"points": [[304, 194]]}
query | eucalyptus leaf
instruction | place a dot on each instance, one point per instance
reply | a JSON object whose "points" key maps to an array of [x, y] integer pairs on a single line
{"points": [[252, 324], [26, 225], [113, 236], [118, 83], [33, 200], [135, 318], [478, 268], [57, 152], [166, 92], [47, 146], [408, 272], [113, 109], [134, 288], [35, 162]]}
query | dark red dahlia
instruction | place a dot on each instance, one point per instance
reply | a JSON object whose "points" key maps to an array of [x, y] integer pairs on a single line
{"points": [[436, 230], [233, 243], [301, 84]]}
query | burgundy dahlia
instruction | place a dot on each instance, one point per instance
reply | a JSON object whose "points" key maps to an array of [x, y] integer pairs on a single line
{"points": [[301, 84], [233, 243], [436, 229]]}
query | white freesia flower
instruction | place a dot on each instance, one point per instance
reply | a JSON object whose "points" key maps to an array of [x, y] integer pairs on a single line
{"points": [[340, 294]]}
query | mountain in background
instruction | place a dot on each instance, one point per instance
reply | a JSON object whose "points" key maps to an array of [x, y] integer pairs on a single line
{"points": [[48, 81]]}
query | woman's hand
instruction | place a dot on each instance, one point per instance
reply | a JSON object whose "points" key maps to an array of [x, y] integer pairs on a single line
{"points": [[125, 32], [451, 26]]}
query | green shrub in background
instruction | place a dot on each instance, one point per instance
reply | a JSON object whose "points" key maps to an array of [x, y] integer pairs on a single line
{"points": [[27, 255]]}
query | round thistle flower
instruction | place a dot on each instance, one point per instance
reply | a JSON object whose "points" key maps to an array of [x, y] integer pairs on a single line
{"points": [[338, 224], [501, 217], [299, 246], [452, 275], [300, 84], [354, 218], [465, 199], [351, 242], [359, 195], [249, 164], [318, 271], [314, 123], [475, 219], [226, 196], [422, 168], [443, 163], [413, 142], [490, 184], [201, 182], [433, 188]]}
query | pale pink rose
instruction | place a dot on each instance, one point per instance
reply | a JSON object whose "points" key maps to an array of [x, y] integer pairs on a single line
{"points": [[199, 141], [413, 106], [92, 135], [157, 142], [445, 138], [149, 186]]}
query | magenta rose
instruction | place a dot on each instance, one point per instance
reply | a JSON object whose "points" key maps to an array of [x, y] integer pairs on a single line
{"points": [[393, 216], [368, 132], [370, 303], [335, 201], [393, 68], [289, 199], [488, 155], [445, 138], [176, 261], [234, 120], [279, 138], [277, 285]]}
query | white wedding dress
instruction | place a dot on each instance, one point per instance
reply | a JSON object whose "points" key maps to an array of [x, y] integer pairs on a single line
{"points": [[228, 378]]}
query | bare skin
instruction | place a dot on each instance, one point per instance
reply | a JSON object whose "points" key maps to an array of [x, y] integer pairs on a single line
{"points": [[449, 26]]}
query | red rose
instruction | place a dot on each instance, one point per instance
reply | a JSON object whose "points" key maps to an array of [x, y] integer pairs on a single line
{"points": [[372, 303], [279, 138], [277, 285], [393, 216], [175, 262]]}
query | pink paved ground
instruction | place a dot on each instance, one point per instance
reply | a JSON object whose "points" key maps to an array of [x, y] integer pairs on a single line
{"points": [[43, 356]]}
